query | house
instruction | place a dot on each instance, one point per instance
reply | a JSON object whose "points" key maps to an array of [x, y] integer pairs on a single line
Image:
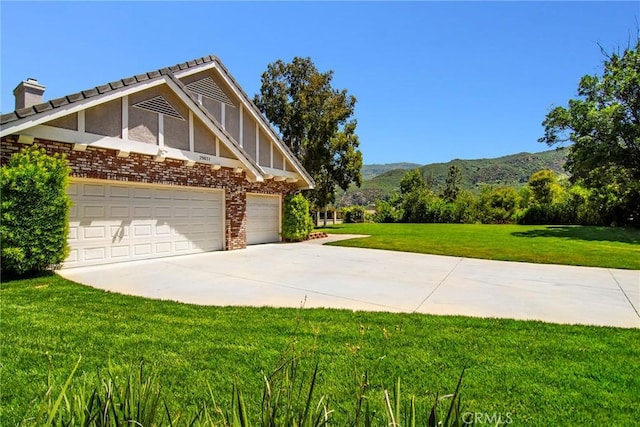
{"points": [[174, 161]]}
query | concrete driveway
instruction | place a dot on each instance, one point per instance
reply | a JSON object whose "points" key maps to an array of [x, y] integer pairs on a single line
{"points": [[290, 275]]}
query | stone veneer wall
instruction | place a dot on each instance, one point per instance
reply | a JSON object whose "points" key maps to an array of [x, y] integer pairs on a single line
{"points": [[101, 163]]}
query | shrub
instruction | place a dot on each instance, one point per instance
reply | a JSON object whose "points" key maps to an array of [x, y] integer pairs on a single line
{"points": [[497, 205], [297, 223], [415, 206], [533, 215], [35, 211], [465, 207], [353, 214], [386, 212]]}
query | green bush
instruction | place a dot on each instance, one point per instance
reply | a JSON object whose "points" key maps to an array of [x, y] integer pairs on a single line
{"points": [[465, 208], [297, 223], [386, 212], [354, 214], [35, 211], [415, 206], [497, 205]]}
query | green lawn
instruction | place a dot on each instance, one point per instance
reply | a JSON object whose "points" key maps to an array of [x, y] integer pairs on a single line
{"points": [[540, 374], [571, 245]]}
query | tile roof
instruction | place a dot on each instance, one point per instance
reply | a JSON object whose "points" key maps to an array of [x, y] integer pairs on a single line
{"points": [[100, 90], [169, 72]]}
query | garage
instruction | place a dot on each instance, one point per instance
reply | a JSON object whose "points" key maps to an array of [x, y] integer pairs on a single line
{"points": [[263, 218], [115, 222]]}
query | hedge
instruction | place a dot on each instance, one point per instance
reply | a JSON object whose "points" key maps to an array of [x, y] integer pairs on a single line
{"points": [[35, 211]]}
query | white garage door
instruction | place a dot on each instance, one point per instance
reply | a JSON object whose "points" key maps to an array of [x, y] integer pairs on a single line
{"points": [[113, 222], [263, 219]]}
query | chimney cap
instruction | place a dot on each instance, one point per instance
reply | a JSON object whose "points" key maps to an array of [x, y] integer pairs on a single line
{"points": [[31, 83]]}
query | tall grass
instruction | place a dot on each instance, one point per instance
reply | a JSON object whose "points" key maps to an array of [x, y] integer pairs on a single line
{"points": [[289, 400]]}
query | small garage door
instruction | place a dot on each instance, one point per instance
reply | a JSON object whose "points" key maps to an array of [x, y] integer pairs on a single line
{"points": [[263, 219], [113, 222]]}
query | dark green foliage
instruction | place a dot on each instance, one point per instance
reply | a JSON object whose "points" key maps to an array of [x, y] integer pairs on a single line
{"points": [[509, 171], [497, 205], [542, 184], [464, 208], [353, 214], [35, 211], [603, 125], [315, 121], [297, 223], [420, 205], [452, 184], [386, 211], [415, 206], [614, 196], [412, 181], [546, 199]]}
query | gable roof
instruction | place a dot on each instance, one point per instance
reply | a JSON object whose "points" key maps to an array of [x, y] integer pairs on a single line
{"points": [[24, 118]]}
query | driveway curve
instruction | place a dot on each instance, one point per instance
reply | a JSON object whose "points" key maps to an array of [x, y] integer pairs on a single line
{"points": [[313, 275]]}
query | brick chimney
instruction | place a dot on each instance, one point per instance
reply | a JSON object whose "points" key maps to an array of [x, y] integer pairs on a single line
{"points": [[28, 93]]}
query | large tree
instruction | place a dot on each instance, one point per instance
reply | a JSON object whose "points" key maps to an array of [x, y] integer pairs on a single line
{"points": [[604, 126], [315, 121], [452, 184]]}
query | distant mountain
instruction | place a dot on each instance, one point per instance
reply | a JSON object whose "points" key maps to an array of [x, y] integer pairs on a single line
{"points": [[371, 171], [513, 171]]}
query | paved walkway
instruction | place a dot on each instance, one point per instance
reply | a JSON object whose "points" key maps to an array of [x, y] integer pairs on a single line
{"points": [[288, 275]]}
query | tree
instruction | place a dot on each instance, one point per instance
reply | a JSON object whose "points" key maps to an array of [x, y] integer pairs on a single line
{"points": [[497, 205], [412, 180], [452, 183], [604, 127], [542, 185], [315, 121], [545, 200], [35, 211]]}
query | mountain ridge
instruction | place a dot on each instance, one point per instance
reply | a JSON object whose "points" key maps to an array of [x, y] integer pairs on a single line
{"points": [[511, 170], [375, 169]]}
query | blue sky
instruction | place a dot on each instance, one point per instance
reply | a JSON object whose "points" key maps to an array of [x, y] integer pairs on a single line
{"points": [[434, 80]]}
